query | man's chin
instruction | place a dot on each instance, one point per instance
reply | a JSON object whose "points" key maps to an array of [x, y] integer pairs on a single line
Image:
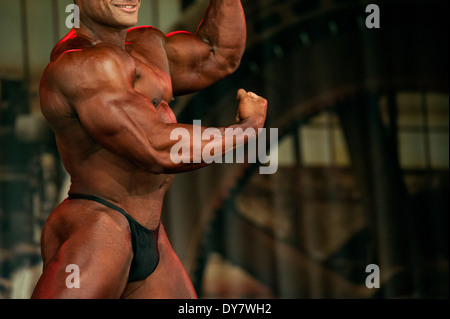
{"points": [[125, 24], [126, 20]]}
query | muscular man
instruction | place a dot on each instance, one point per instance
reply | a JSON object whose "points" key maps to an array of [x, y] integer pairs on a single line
{"points": [[106, 95]]}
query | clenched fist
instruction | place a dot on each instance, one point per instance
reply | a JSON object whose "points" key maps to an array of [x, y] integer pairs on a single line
{"points": [[252, 108]]}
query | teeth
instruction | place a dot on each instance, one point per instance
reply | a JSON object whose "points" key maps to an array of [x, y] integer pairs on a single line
{"points": [[124, 6]]}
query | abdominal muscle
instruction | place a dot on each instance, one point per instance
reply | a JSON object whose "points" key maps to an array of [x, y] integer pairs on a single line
{"points": [[96, 171]]}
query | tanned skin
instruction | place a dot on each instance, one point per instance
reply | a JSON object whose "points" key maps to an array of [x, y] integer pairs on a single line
{"points": [[106, 95]]}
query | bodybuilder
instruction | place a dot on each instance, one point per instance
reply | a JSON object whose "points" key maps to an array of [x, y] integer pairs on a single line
{"points": [[106, 95]]}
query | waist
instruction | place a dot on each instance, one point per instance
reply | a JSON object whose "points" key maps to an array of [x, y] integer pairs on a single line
{"points": [[144, 208]]}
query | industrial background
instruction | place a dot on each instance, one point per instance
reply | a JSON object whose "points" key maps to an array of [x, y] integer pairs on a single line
{"points": [[363, 153]]}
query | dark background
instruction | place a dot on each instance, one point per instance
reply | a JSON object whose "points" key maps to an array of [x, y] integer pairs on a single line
{"points": [[362, 116]]}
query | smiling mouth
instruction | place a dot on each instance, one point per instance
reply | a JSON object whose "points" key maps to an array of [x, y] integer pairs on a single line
{"points": [[127, 7]]}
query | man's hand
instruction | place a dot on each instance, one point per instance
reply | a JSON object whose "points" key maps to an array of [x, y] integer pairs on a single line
{"points": [[252, 108]]}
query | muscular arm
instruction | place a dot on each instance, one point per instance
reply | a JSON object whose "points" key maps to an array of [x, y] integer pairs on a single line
{"points": [[125, 122], [215, 51]]}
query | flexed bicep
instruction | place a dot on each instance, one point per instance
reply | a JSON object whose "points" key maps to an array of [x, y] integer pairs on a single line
{"points": [[193, 65], [214, 52]]}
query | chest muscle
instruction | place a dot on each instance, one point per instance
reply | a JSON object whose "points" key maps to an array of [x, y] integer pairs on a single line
{"points": [[154, 82]]}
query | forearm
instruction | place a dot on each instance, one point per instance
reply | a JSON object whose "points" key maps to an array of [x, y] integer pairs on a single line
{"points": [[189, 147], [224, 29]]}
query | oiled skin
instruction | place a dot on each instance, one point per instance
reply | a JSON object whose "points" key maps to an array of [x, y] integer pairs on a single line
{"points": [[106, 95]]}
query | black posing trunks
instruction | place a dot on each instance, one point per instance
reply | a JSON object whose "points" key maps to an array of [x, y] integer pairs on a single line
{"points": [[144, 242]]}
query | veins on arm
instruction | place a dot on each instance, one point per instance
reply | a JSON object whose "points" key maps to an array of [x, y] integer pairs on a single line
{"points": [[214, 52]]}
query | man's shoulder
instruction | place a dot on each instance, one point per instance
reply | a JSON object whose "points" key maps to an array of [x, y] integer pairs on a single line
{"points": [[89, 56], [89, 64], [73, 42], [142, 32]]}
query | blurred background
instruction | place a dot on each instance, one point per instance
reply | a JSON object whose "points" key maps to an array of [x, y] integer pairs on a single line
{"points": [[363, 153]]}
